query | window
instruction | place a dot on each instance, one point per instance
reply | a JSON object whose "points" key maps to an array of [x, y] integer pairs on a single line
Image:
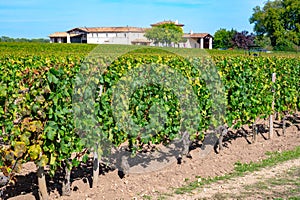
{"points": [[124, 34], [106, 34]]}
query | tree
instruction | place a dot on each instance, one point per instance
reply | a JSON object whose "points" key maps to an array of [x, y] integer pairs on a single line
{"points": [[223, 38], [280, 21], [263, 41], [8, 39], [243, 39], [155, 35], [167, 34]]}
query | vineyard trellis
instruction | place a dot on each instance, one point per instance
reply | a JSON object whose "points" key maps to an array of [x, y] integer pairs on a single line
{"points": [[36, 113]]}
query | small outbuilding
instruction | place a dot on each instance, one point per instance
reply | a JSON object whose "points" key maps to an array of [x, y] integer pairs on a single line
{"points": [[58, 37], [197, 40]]}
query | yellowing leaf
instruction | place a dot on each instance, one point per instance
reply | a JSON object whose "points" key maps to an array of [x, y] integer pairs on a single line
{"points": [[19, 149], [34, 152], [52, 160], [43, 161]]}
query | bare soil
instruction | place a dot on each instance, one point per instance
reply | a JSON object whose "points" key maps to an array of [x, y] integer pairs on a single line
{"points": [[154, 183], [282, 180]]}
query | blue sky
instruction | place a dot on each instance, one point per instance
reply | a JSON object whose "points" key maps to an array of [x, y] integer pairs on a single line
{"points": [[39, 18]]}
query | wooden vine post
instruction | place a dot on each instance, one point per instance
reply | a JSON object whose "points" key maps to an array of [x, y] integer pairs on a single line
{"points": [[66, 186], [96, 155], [254, 132], [271, 131], [43, 193], [95, 166]]}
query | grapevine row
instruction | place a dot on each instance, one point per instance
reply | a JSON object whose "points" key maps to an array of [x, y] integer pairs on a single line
{"points": [[37, 102]]}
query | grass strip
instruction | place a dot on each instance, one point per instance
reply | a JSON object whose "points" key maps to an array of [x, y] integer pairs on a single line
{"points": [[241, 168]]}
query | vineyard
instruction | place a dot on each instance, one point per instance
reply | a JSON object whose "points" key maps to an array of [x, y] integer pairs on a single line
{"points": [[63, 105]]}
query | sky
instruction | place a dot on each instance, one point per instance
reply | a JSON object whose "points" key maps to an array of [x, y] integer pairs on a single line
{"points": [[39, 18]]}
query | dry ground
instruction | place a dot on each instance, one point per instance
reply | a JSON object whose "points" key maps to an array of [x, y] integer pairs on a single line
{"points": [[154, 183]]}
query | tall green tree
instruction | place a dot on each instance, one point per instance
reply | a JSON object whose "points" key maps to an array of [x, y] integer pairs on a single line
{"points": [[165, 34], [280, 21], [223, 38], [264, 42]]}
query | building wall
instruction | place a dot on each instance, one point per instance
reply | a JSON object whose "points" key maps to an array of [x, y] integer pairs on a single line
{"points": [[122, 38], [190, 43], [77, 37], [113, 38], [57, 40]]}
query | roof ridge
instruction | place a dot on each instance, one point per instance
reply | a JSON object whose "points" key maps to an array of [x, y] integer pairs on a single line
{"points": [[108, 27]]}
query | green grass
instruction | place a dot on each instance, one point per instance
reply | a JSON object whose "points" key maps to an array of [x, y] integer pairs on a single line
{"points": [[285, 185], [18, 48], [241, 168], [146, 197], [274, 158]]}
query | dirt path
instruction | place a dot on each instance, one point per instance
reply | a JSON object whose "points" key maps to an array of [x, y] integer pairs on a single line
{"points": [[243, 187]]}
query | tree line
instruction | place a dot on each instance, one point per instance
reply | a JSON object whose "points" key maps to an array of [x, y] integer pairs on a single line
{"points": [[276, 26], [9, 39]]}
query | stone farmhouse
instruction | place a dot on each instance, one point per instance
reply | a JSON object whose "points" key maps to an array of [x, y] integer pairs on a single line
{"points": [[127, 35]]}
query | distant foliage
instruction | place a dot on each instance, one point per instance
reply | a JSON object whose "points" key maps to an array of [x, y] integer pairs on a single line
{"points": [[243, 40], [278, 20], [264, 42], [223, 38], [166, 34], [8, 39]]}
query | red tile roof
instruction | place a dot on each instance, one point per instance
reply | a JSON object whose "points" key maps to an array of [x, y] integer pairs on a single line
{"points": [[58, 34], [62, 34], [125, 29], [196, 35]]}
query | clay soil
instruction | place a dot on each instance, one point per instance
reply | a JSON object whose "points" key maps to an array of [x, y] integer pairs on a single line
{"points": [[154, 183]]}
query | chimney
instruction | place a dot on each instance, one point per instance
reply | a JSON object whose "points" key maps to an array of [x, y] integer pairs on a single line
{"points": [[176, 21], [191, 32]]}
